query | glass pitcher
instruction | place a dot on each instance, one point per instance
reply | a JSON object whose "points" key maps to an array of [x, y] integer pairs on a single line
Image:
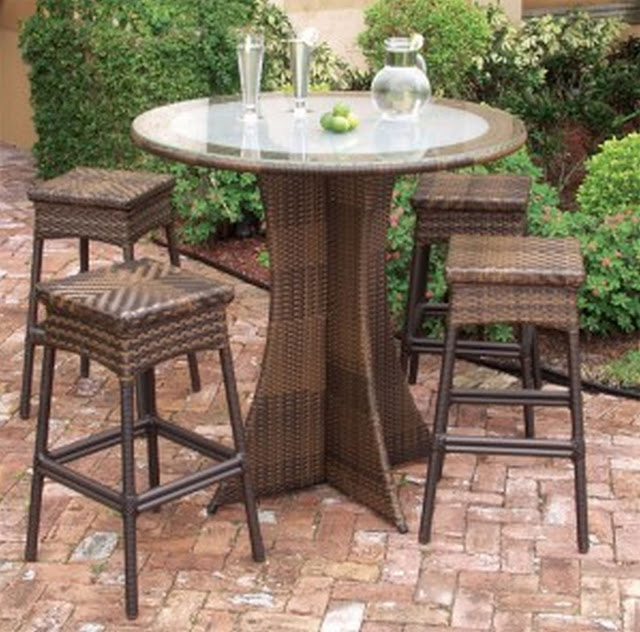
{"points": [[401, 88]]}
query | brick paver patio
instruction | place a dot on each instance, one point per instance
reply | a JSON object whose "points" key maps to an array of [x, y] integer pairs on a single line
{"points": [[503, 557]]}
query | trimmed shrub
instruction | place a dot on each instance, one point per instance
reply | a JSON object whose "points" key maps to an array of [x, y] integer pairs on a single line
{"points": [[608, 227], [612, 179], [95, 65]]}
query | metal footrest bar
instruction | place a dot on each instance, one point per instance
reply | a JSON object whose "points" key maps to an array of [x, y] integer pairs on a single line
{"points": [[80, 483], [187, 484], [148, 499], [94, 443], [190, 439], [468, 348], [435, 309], [522, 397], [512, 446]]}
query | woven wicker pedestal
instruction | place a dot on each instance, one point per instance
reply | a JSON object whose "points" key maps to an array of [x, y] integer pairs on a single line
{"points": [[523, 280], [129, 318], [446, 204], [331, 404], [116, 207]]}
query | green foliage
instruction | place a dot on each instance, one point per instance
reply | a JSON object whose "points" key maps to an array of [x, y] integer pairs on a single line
{"points": [[559, 72], [555, 52], [399, 245], [95, 65], [608, 227], [455, 32], [613, 177], [209, 200], [625, 370]]}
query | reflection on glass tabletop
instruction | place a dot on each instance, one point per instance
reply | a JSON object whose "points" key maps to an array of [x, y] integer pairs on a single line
{"points": [[212, 132]]}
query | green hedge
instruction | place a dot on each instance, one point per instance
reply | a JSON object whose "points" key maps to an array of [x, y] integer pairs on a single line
{"points": [[95, 65]]}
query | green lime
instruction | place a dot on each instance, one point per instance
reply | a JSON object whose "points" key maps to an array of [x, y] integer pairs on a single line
{"points": [[353, 120], [326, 120], [340, 124], [341, 109]]}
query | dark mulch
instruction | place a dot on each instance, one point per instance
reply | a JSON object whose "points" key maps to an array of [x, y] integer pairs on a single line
{"points": [[238, 257]]}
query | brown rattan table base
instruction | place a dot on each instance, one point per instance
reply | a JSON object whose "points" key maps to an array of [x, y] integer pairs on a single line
{"points": [[331, 403]]}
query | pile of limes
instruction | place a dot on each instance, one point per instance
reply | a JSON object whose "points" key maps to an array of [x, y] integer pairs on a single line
{"points": [[340, 119]]}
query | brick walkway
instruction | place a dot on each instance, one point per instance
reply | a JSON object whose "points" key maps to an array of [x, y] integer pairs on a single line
{"points": [[503, 557]]}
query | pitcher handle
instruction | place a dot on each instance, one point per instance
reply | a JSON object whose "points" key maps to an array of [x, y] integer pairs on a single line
{"points": [[421, 63]]}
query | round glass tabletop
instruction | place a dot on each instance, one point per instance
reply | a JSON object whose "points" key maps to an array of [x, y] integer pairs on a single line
{"points": [[212, 132]]}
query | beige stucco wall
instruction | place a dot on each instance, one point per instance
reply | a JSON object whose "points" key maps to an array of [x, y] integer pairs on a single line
{"points": [[16, 126]]}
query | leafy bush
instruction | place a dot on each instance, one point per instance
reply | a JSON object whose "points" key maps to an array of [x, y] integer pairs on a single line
{"points": [[209, 202], [561, 73], [608, 227], [95, 65], [455, 32], [559, 53], [613, 177]]}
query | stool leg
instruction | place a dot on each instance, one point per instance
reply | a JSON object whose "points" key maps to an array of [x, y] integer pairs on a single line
{"points": [[412, 320], [129, 505], [257, 546], [32, 321], [436, 460], [527, 340], [174, 257], [128, 252], [84, 267], [42, 440], [580, 477], [535, 359], [146, 384]]}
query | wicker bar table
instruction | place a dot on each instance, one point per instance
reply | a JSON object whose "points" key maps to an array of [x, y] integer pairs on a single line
{"points": [[331, 404]]}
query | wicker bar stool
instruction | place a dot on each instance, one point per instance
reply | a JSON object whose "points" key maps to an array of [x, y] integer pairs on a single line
{"points": [[129, 317], [446, 204], [113, 206], [528, 280]]}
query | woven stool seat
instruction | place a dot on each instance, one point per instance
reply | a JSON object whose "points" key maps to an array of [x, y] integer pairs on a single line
{"points": [[450, 203], [129, 317], [515, 279], [113, 206], [134, 315], [447, 204], [526, 281], [516, 261]]}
